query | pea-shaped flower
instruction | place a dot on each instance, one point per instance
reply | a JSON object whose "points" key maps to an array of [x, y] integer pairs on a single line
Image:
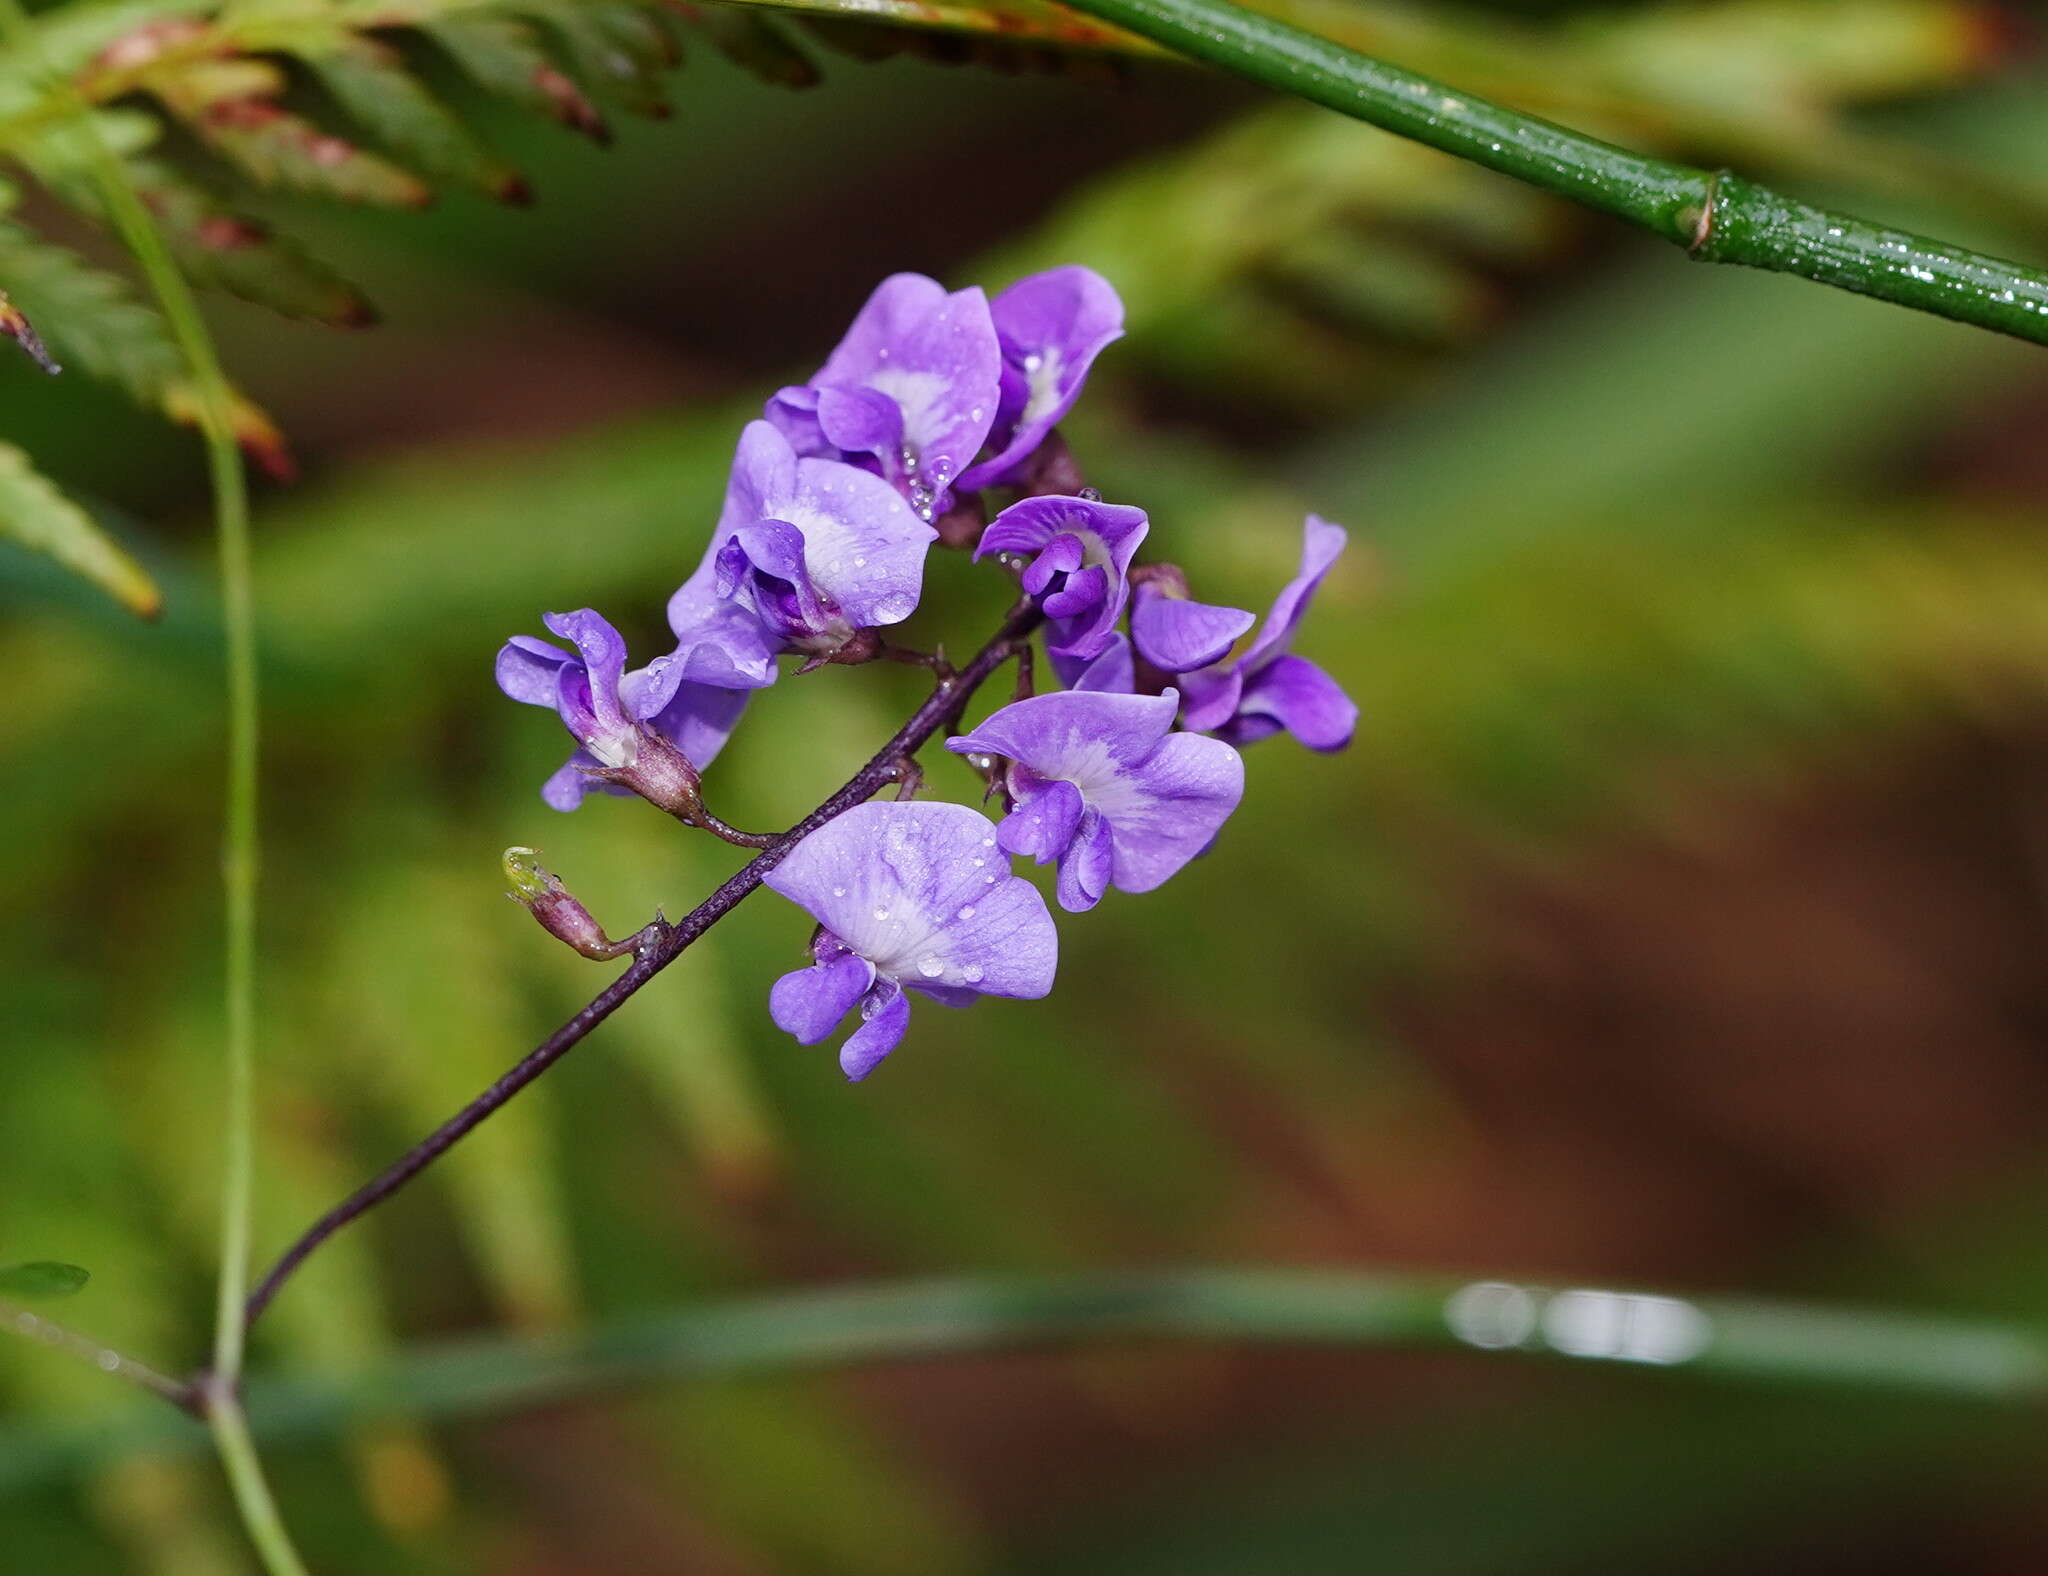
{"points": [[1101, 783], [911, 390], [646, 732], [1269, 689], [908, 897], [1051, 327], [808, 553], [1080, 552]]}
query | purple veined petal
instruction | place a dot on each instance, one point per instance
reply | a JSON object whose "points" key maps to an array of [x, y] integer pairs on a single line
{"points": [[1176, 635], [1112, 673], [860, 420], [1300, 697], [793, 412], [885, 1014], [1177, 801], [923, 892], [528, 669], [808, 1003], [1043, 823], [1210, 697], [1060, 556], [864, 545], [645, 692], [698, 719], [1080, 736], [1321, 543], [603, 650], [1086, 866], [1052, 325], [762, 482]]}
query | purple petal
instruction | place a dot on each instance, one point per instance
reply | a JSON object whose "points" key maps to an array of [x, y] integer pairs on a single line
{"points": [[565, 789], [1210, 697], [1321, 542], [1085, 871], [698, 719], [935, 354], [1061, 556], [763, 480], [603, 650], [885, 1014], [864, 545], [1052, 325], [860, 421], [1076, 735], [1176, 802], [1176, 635], [1300, 697], [1084, 593], [923, 892], [528, 669], [1043, 823], [793, 412], [809, 1003], [1113, 672]]}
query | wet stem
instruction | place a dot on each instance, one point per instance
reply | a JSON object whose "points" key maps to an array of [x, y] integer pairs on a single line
{"points": [[217, 1392]]}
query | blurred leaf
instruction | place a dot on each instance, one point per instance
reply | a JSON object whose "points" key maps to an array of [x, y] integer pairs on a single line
{"points": [[366, 79], [504, 57], [40, 1279], [35, 515]]}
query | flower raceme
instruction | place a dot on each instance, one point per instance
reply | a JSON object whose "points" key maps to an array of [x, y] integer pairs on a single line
{"points": [[1120, 780]]}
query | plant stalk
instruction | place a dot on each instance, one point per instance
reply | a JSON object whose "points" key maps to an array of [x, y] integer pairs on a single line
{"points": [[1716, 216]]}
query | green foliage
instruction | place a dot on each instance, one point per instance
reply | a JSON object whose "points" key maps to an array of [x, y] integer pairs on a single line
{"points": [[35, 515]]}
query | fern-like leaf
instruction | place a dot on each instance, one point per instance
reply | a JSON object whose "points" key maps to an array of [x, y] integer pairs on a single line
{"points": [[35, 515]]}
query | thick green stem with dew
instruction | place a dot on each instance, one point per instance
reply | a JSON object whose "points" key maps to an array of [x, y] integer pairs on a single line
{"points": [[1716, 216]]}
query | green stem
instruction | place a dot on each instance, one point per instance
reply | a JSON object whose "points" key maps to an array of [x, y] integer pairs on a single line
{"points": [[1716, 216], [237, 1453], [239, 852], [1659, 1336]]}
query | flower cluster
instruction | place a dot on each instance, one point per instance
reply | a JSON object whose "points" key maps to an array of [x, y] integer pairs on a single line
{"points": [[934, 401]]}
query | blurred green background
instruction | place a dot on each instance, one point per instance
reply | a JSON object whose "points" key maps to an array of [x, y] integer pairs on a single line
{"points": [[1676, 920]]}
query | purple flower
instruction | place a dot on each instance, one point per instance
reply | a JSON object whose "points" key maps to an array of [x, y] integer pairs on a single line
{"points": [[906, 896], [629, 727], [1051, 327], [808, 553], [1101, 783], [1081, 552], [1268, 688], [911, 390]]}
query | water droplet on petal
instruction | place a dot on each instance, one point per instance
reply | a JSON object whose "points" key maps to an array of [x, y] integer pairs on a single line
{"points": [[972, 974], [881, 913], [979, 863], [988, 842], [930, 968], [839, 891], [967, 912]]}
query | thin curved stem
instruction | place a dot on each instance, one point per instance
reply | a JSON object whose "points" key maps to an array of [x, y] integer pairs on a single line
{"points": [[664, 944], [240, 849], [1717, 217], [26, 1322]]}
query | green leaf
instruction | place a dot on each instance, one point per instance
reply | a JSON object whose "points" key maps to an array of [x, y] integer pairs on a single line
{"points": [[40, 518], [505, 57], [367, 81], [753, 42], [92, 318], [226, 250], [618, 49]]}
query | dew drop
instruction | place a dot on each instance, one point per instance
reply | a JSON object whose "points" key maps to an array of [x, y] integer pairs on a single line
{"points": [[972, 974], [988, 842], [881, 913], [979, 863], [988, 880], [930, 968], [967, 912], [839, 891]]}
